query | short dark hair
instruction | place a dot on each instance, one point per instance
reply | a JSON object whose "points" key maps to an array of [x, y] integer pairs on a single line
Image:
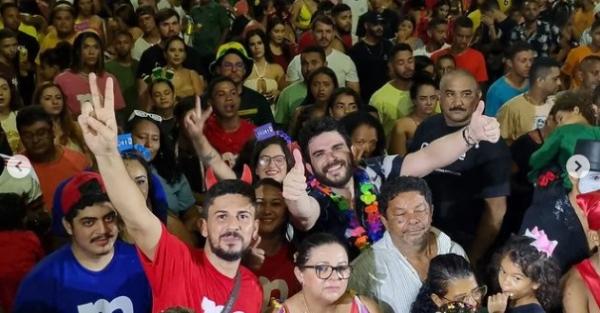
{"points": [[435, 22], [145, 10], [165, 14], [397, 185], [77, 59], [8, 5], [421, 62], [442, 270], [339, 9], [489, 5], [315, 49], [59, 56], [214, 82], [316, 127], [32, 114], [227, 187], [125, 33], [314, 241], [463, 22], [540, 68], [588, 60], [568, 100], [353, 120], [516, 48], [398, 48], [7, 33], [420, 82], [324, 19]]}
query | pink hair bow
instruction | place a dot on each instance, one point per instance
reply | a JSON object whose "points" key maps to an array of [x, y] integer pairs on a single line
{"points": [[541, 242]]}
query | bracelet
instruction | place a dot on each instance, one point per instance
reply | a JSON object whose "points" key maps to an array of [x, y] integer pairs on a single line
{"points": [[468, 139]]}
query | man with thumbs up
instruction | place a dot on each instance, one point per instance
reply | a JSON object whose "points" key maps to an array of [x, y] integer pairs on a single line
{"points": [[469, 195], [342, 197]]}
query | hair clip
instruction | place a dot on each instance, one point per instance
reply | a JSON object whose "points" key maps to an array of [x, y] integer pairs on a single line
{"points": [[267, 131], [541, 242], [125, 145], [159, 74]]}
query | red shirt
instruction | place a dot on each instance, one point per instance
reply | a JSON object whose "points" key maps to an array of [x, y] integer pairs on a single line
{"points": [[470, 60], [180, 276], [228, 141], [277, 277], [21, 250]]}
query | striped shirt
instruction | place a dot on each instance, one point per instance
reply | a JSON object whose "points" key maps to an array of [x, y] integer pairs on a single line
{"points": [[384, 274]]}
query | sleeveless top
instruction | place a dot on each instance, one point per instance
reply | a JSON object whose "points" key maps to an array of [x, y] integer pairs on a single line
{"points": [[304, 17], [591, 278], [357, 307], [261, 84]]}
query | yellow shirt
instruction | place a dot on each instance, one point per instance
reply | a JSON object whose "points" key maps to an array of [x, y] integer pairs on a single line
{"points": [[50, 41], [9, 125], [519, 116], [475, 17], [27, 29]]}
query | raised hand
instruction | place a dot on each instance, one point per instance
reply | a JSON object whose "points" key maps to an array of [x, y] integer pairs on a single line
{"points": [[294, 183], [497, 303], [256, 257], [483, 128], [357, 152], [97, 119], [196, 119]]}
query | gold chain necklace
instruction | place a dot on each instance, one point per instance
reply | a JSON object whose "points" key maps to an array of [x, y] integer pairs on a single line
{"points": [[306, 310]]}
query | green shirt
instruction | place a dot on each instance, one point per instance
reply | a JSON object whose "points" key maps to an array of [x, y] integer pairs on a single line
{"points": [[289, 99], [126, 77], [559, 147], [211, 21], [392, 104]]}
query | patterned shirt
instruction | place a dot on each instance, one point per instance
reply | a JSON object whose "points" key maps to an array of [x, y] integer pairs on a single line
{"points": [[543, 40]]}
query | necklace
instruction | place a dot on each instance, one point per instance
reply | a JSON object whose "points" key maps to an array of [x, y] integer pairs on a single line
{"points": [[360, 236], [261, 75], [306, 310]]}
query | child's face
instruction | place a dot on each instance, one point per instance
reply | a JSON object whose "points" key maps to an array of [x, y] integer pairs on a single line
{"points": [[513, 281]]}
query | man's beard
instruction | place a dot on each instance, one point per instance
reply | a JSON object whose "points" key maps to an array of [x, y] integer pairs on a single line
{"points": [[336, 184], [229, 256]]}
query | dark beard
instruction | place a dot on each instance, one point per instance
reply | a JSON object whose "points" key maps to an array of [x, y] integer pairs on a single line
{"points": [[225, 255], [340, 184]]}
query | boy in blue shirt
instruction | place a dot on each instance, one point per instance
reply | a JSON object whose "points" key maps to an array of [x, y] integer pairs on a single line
{"points": [[96, 272]]}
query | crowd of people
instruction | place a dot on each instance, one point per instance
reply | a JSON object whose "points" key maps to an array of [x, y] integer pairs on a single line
{"points": [[289, 156]]}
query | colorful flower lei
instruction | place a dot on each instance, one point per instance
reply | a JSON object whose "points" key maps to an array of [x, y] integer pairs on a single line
{"points": [[355, 232]]}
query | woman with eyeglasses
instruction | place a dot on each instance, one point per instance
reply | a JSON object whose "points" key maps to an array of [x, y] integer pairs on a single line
{"points": [[66, 131], [186, 82], [269, 158], [450, 283], [323, 270]]}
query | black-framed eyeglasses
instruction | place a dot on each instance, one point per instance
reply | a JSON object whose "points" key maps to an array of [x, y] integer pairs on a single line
{"points": [[142, 114], [265, 160], [476, 294], [325, 271]]}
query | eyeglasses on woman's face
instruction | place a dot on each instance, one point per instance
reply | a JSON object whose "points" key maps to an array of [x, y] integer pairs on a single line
{"points": [[324, 271]]}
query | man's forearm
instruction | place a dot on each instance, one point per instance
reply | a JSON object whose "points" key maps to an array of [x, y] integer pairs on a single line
{"points": [[125, 196], [211, 158], [304, 211]]}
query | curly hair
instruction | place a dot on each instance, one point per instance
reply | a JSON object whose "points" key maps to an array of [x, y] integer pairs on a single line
{"points": [[442, 269], [535, 265]]}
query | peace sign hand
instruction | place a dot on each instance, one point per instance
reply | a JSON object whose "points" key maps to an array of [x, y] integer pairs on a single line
{"points": [[196, 119], [97, 119]]}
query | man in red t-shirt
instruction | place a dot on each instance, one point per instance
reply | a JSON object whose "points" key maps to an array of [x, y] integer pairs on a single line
{"points": [[205, 281], [466, 58], [225, 129]]}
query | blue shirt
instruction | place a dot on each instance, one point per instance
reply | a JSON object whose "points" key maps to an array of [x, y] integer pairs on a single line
{"points": [[499, 93], [59, 284]]}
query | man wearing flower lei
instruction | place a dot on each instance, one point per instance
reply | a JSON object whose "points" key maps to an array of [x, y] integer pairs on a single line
{"points": [[342, 196]]}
